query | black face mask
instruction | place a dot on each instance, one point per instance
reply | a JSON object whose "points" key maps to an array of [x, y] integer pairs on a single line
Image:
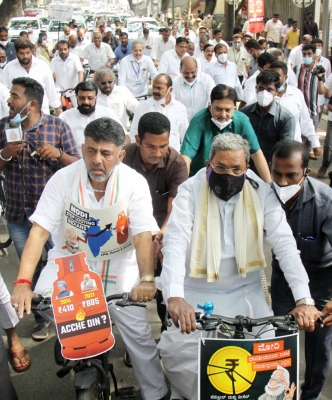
{"points": [[86, 111], [225, 186], [80, 38]]}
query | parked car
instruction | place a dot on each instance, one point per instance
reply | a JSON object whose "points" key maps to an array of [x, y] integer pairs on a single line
{"points": [[134, 26], [19, 24], [55, 28]]}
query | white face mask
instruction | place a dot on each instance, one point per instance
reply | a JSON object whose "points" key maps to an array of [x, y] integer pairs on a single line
{"points": [[44, 42], [318, 52], [4, 42], [3, 64], [222, 58], [221, 125], [190, 83], [29, 30], [162, 102], [287, 192], [264, 98]]}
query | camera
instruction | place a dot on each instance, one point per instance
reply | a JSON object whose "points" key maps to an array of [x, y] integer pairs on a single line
{"points": [[318, 70]]}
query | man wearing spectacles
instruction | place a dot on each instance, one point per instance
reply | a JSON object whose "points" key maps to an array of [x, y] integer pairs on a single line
{"points": [[213, 249], [86, 111], [271, 121], [113, 96]]}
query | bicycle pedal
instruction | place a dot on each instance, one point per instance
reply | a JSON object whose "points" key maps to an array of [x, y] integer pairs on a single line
{"points": [[127, 392]]}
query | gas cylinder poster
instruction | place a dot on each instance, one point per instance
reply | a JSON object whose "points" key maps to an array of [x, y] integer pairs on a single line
{"points": [[80, 309], [260, 369], [256, 15], [102, 234]]}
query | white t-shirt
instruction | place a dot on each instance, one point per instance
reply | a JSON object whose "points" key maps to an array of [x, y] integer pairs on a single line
{"points": [[48, 214]]}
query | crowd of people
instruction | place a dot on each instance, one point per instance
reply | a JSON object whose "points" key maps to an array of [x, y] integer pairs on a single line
{"points": [[212, 162]]}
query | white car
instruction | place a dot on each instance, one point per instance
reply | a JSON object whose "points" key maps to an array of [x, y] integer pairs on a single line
{"points": [[19, 24], [55, 28], [134, 26]]}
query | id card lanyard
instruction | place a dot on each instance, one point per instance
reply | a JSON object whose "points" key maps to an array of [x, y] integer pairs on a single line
{"points": [[137, 73]]}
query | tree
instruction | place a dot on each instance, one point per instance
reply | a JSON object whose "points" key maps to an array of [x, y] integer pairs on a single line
{"points": [[8, 9], [210, 5], [165, 5]]}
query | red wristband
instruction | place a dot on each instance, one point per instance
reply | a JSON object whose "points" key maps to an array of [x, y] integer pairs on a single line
{"points": [[22, 281]]}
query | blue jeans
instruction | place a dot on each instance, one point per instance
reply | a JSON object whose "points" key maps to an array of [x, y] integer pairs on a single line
{"points": [[19, 234], [317, 346]]}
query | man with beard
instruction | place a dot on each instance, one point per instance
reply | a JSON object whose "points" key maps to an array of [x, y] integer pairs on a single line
{"points": [[49, 145], [278, 386], [123, 49], [135, 71], [100, 180], [26, 65], [112, 96], [67, 70], [163, 102], [86, 111]]}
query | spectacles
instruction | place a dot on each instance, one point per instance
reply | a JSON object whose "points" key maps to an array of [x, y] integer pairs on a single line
{"points": [[221, 169], [104, 82]]}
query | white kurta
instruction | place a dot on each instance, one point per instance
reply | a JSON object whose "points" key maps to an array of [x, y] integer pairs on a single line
{"points": [[159, 47], [134, 75], [195, 97], [78, 122], [38, 71], [120, 100], [170, 63], [66, 72], [174, 111], [97, 57], [204, 63], [226, 75]]}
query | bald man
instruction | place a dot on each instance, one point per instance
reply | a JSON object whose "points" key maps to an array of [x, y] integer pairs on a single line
{"points": [[192, 88]]}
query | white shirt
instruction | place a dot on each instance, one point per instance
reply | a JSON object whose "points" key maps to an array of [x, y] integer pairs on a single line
{"points": [[64, 37], [32, 37], [295, 56], [327, 66], [214, 42], [226, 75], [38, 71], [120, 100], [78, 122], [293, 101], [291, 77], [204, 63], [135, 75], [49, 212], [159, 47], [146, 42], [66, 72], [77, 51], [98, 57], [195, 97], [170, 63], [174, 111], [273, 30], [4, 95], [231, 294]]}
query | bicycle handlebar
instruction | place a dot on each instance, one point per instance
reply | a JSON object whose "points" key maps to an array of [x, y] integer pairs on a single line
{"points": [[285, 322]]}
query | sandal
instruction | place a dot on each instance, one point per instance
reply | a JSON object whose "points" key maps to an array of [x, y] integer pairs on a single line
{"points": [[19, 355]]}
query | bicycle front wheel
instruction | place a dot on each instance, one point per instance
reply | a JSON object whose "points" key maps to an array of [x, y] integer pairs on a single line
{"points": [[5, 239]]}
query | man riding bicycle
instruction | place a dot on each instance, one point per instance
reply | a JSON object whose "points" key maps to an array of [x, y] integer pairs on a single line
{"points": [[97, 182]]}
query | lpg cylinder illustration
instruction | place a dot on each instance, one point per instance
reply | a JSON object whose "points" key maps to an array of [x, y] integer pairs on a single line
{"points": [[122, 228]]}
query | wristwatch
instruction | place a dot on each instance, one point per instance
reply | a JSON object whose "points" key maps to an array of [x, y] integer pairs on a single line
{"points": [[147, 278], [307, 301]]}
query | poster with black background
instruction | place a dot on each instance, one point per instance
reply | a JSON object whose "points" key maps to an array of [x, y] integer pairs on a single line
{"points": [[260, 369]]}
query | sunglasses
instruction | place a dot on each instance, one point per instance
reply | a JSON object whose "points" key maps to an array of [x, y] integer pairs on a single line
{"points": [[104, 82]]}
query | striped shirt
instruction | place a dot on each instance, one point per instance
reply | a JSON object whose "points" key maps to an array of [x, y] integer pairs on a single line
{"points": [[26, 176], [308, 84]]}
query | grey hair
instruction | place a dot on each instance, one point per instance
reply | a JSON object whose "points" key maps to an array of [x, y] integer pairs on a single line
{"points": [[96, 33], [229, 141], [102, 72], [135, 42], [286, 373], [204, 36], [275, 52]]}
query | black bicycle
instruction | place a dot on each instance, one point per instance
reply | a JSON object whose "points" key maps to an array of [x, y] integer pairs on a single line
{"points": [[92, 375], [5, 239]]}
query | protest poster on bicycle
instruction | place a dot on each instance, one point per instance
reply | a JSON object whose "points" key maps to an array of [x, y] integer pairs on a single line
{"points": [[259, 369]]}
